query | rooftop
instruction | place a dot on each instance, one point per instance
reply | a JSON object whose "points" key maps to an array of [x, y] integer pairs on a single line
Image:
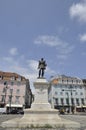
{"points": [[10, 74]]}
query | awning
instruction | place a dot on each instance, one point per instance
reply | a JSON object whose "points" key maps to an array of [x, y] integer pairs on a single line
{"points": [[81, 106], [15, 105], [84, 106], [78, 106]]}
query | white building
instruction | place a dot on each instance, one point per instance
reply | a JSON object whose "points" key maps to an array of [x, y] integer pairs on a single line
{"points": [[66, 92]]}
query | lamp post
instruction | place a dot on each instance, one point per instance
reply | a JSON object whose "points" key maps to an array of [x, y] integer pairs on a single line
{"points": [[11, 91], [68, 103], [5, 91], [70, 90]]}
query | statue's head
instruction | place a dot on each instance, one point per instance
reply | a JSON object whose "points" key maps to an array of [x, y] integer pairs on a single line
{"points": [[42, 59]]}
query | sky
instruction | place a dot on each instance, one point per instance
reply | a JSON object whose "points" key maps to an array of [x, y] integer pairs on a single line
{"points": [[51, 29]]}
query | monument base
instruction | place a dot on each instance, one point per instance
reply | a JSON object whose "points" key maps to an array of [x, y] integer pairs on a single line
{"points": [[40, 119]]}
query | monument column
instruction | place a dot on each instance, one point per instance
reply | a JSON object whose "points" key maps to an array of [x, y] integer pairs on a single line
{"points": [[41, 95]]}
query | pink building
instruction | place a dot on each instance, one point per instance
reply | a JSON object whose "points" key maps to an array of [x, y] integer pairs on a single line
{"points": [[14, 90]]}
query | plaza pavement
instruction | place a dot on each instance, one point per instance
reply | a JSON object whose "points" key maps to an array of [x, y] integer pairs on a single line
{"points": [[77, 118]]}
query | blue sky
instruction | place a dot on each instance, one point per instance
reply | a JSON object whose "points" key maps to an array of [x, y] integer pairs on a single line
{"points": [[52, 29]]}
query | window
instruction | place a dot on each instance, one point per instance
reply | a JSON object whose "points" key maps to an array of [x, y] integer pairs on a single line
{"points": [[10, 99], [62, 101], [12, 78], [5, 83], [77, 101], [12, 83], [80, 87], [4, 90], [72, 101], [3, 98], [18, 83], [17, 99], [56, 93], [82, 101], [0, 77], [56, 100], [55, 85], [79, 81], [17, 91], [71, 87], [76, 93], [75, 87], [66, 93], [19, 78], [62, 80], [76, 81], [67, 101], [10, 91], [61, 93], [81, 93]]}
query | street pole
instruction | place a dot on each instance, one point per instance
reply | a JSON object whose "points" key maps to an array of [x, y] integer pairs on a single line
{"points": [[71, 103], [5, 91], [68, 103], [11, 91]]}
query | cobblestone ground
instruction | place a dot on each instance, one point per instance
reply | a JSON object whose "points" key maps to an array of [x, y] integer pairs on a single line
{"points": [[7, 117], [77, 118]]}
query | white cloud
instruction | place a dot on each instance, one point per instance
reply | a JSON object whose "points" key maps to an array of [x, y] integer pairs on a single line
{"points": [[33, 64], [48, 40], [50, 71], [83, 38], [8, 59], [61, 56], [78, 11], [64, 48], [13, 51], [15, 66]]}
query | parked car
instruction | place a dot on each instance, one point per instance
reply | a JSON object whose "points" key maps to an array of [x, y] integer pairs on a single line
{"points": [[21, 112], [15, 111], [2, 110]]}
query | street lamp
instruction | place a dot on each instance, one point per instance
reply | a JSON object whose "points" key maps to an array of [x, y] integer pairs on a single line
{"points": [[71, 90], [5, 91], [11, 91], [69, 106], [68, 103]]}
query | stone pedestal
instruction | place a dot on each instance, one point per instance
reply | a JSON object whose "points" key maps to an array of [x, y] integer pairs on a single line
{"points": [[41, 95], [40, 115]]}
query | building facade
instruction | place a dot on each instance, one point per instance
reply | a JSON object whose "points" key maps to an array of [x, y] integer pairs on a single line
{"points": [[14, 90], [66, 92], [84, 83]]}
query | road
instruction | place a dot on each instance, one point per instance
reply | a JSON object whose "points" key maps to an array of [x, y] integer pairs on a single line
{"points": [[77, 118]]}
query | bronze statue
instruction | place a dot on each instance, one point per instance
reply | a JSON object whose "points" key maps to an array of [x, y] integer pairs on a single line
{"points": [[42, 66]]}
